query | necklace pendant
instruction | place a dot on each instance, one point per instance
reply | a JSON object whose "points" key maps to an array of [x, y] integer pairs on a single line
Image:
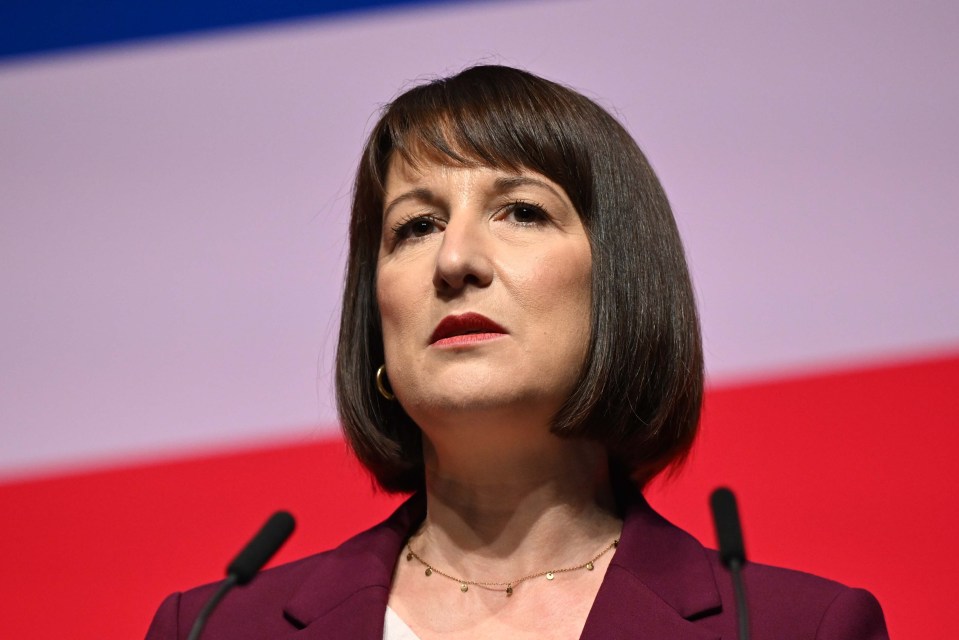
{"points": [[509, 590], [464, 587], [549, 575], [589, 566], [429, 571]]}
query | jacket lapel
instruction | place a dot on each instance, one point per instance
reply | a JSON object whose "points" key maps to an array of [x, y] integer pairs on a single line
{"points": [[345, 597], [659, 581]]}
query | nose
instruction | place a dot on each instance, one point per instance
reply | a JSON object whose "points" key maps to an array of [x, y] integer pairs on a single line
{"points": [[464, 257]]}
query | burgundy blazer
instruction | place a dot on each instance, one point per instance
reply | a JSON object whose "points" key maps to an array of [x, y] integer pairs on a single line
{"points": [[661, 584]]}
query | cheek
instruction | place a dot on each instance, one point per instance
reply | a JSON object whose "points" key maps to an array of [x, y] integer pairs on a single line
{"points": [[560, 282], [388, 303], [559, 298], [556, 292], [398, 306]]}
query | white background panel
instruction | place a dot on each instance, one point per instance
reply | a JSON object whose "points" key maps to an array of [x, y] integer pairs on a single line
{"points": [[174, 213]]}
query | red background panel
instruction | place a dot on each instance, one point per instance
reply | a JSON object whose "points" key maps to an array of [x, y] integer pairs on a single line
{"points": [[849, 474], [100, 550]]}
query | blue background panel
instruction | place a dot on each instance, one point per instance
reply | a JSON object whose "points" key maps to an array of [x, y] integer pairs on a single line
{"points": [[36, 26]]}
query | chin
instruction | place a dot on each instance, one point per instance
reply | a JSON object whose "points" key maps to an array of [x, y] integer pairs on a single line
{"points": [[463, 405]]}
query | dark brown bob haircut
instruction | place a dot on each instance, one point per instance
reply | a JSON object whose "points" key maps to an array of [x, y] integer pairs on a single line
{"points": [[640, 388]]}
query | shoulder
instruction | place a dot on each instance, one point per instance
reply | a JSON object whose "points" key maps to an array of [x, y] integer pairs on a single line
{"points": [[692, 582], [261, 603], [354, 576], [785, 603]]}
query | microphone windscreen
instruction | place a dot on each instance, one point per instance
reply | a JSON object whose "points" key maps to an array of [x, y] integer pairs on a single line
{"points": [[729, 533], [262, 547]]}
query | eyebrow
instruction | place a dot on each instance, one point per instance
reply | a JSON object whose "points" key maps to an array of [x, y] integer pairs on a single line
{"points": [[507, 183], [500, 185], [420, 194]]}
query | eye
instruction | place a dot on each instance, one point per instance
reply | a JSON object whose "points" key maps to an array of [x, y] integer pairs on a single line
{"points": [[417, 226], [526, 213]]}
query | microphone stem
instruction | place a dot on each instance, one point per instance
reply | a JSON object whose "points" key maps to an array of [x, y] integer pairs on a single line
{"points": [[739, 590], [208, 608]]}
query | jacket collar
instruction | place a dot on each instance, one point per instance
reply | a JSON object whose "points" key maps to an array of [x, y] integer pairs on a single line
{"points": [[659, 581], [349, 587]]}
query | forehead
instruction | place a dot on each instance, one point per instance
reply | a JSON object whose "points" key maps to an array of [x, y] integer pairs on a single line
{"points": [[402, 172]]}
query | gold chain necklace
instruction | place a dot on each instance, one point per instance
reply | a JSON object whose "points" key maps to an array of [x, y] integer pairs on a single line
{"points": [[506, 587]]}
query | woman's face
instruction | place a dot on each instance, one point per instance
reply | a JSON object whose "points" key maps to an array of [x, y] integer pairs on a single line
{"points": [[483, 285]]}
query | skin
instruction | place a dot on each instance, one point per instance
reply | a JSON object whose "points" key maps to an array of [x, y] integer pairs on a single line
{"points": [[505, 497]]}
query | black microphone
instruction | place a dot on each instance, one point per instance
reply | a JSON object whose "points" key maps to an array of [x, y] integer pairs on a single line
{"points": [[262, 547], [732, 551], [248, 562]]}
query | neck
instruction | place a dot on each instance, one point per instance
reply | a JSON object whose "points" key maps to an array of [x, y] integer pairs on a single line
{"points": [[517, 508]]}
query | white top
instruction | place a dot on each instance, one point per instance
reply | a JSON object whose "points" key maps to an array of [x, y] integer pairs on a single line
{"points": [[396, 629]]}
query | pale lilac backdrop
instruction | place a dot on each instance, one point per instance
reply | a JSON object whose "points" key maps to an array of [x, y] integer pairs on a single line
{"points": [[172, 214]]}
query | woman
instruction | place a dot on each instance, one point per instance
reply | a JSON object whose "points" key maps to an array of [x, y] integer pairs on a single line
{"points": [[519, 348]]}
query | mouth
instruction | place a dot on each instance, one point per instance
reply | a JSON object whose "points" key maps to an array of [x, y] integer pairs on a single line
{"points": [[465, 328]]}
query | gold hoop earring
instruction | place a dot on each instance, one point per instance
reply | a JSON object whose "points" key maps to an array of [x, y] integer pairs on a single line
{"points": [[381, 386]]}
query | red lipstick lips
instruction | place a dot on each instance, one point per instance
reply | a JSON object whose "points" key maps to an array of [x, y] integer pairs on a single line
{"points": [[465, 328]]}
